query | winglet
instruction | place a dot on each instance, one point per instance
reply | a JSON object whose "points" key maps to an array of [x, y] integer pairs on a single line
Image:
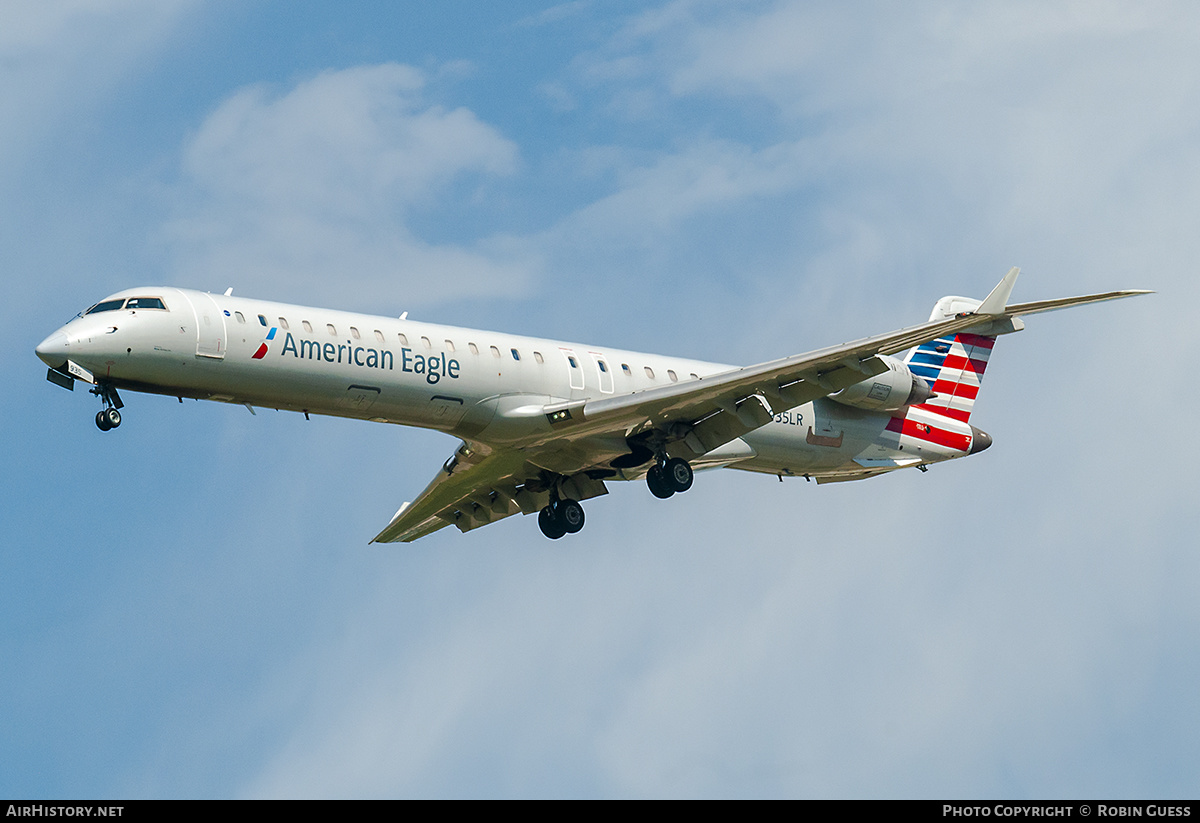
{"points": [[995, 302]]}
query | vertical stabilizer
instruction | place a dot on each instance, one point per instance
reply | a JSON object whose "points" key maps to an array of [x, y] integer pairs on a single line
{"points": [[953, 366]]}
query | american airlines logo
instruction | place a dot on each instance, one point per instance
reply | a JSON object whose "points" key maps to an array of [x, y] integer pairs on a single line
{"points": [[432, 367], [262, 349]]}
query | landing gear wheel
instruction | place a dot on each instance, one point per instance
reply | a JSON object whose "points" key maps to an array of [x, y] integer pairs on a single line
{"points": [[113, 416], [102, 420], [570, 514], [658, 483], [550, 525], [679, 474]]}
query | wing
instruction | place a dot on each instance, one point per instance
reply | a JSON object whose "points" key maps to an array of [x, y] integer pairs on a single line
{"points": [[574, 444], [708, 412], [477, 486]]}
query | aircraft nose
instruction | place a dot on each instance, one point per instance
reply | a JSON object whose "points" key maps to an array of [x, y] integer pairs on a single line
{"points": [[53, 350]]}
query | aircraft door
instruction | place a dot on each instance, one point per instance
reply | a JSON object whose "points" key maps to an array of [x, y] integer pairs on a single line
{"points": [[603, 372], [438, 411], [826, 429], [446, 410], [359, 398], [211, 337], [574, 368]]}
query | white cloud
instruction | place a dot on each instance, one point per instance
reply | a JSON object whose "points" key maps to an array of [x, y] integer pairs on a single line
{"points": [[1016, 116], [1019, 623], [557, 13], [320, 183], [660, 194], [921, 149], [965, 631], [61, 59], [62, 65]]}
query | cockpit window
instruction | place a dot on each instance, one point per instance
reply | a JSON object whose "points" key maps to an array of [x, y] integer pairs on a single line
{"points": [[107, 305], [145, 303]]}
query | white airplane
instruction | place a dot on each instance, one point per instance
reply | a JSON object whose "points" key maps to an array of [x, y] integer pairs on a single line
{"points": [[545, 424]]}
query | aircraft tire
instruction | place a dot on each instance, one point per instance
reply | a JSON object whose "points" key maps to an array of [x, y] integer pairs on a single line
{"points": [[114, 418], [550, 524], [102, 421], [679, 474], [658, 484], [570, 515]]}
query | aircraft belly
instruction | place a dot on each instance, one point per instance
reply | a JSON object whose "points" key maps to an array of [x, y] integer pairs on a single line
{"points": [[818, 437], [298, 385]]}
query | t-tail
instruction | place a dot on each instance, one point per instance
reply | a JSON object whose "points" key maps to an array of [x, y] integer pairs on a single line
{"points": [[954, 365]]}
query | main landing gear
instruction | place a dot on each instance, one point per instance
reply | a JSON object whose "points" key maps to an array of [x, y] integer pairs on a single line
{"points": [[108, 417], [665, 478], [560, 517], [564, 516]]}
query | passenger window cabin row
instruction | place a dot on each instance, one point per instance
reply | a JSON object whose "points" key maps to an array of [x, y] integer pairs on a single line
{"points": [[157, 303]]}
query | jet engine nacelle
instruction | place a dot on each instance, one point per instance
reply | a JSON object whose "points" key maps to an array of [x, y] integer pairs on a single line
{"points": [[893, 389]]}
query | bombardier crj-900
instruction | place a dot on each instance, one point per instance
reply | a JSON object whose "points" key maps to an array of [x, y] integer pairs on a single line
{"points": [[545, 424]]}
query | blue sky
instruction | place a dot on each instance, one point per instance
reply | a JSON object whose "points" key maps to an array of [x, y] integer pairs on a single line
{"points": [[190, 606]]}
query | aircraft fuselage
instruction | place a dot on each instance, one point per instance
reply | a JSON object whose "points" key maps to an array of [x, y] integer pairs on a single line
{"points": [[468, 383], [555, 419]]}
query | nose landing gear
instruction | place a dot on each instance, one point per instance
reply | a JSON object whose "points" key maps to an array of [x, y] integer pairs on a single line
{"points": [[109, 417]]}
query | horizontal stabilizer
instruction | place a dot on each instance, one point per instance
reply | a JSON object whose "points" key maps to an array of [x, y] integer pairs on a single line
{"points": [[1067, 302]]}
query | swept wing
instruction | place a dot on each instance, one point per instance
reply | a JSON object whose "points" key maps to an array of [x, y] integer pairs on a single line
{"points": [[479, 486]]}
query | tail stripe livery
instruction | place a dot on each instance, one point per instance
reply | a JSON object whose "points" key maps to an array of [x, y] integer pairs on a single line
{"points": [[909, 427], [953, 367]]}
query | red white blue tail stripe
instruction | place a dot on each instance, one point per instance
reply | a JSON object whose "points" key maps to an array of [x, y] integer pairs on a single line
{"points": [[953, 367]]}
